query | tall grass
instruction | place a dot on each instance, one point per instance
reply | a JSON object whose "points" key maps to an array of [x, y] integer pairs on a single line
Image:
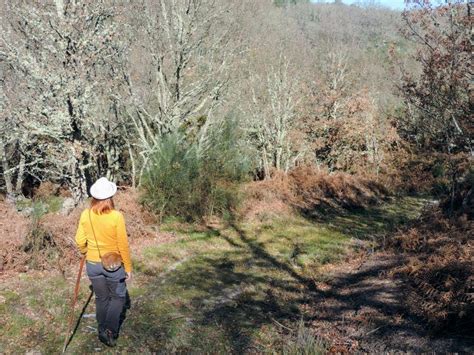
{"points": [[198, 177], [304, 342]]}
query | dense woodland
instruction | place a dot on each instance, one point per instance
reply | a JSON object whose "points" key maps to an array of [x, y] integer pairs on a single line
{"points": [[95, 89], [204, 106]]}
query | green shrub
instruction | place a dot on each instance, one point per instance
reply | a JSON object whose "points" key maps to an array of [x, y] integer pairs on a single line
{"points": [[198, 176], [54, 203], [304, 342]]}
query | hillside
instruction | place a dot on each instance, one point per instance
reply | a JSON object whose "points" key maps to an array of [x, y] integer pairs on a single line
{"points": [[292, 176]]}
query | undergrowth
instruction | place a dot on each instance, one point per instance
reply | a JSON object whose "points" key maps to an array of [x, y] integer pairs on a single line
{"points": [[193, 178], [311, 192], [438, 270], [303, 341]]}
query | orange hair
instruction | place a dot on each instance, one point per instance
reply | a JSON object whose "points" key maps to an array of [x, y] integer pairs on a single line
{"points": [[102, 206]]}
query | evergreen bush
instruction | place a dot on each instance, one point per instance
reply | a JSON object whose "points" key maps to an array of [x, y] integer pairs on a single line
{"points": [[193, 178]]}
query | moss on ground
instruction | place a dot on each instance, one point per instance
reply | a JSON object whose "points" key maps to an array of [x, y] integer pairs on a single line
{"points": [[238, 288]]}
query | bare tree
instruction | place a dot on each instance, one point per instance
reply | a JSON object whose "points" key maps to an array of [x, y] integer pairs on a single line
{"points": [[272, 114], [187, 52], [90, 88], [62, 63]]}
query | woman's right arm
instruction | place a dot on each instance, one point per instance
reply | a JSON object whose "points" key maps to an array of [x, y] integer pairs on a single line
{"points": [[81, 238]]}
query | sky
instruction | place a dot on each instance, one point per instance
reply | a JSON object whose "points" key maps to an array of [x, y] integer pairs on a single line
{"points": [[394, 4]]}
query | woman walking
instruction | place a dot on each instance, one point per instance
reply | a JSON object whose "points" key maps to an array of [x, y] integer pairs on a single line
{"points": [[101, 235]]}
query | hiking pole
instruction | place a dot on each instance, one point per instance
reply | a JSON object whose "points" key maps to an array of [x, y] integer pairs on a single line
{"points": [[73, 303], [79, 318]]}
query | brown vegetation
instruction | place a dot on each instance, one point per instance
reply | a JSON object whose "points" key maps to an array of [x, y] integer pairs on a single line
{"points": [[307, 190], [44, 243], [48, 242], [438, 123], [137, 217], [438, 270], [13, 229], [45, 189]]}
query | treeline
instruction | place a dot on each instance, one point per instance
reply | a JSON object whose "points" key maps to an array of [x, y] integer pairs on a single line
{"points": [[121, 89]]}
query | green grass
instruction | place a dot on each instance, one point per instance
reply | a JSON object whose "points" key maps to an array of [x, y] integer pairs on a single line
{"points": [[33, 314], [50, 204], [374, 222], [239, 288]]}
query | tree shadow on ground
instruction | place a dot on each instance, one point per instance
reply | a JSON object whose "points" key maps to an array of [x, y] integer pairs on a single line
{"points": [[370, 223], [242, 290]]}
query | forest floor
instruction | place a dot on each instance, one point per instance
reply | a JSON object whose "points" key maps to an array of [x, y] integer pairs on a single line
{"points": [[279, 286]]}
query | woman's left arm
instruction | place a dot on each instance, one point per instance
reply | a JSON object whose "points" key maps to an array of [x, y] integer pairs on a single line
{"points": [[122, 243]]}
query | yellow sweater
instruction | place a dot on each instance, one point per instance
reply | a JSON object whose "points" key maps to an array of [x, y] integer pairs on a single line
{"points": [[111, 236]]}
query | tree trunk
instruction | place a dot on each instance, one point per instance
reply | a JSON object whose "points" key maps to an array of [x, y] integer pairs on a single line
{"points": [[20, 174], [278, 154], [266, 167], [7, 176], [113, 165], [59, 8], [78, 185], [132, 160]]}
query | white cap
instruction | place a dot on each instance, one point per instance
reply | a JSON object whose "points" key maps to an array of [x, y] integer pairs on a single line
{"points": [[103, 189]]}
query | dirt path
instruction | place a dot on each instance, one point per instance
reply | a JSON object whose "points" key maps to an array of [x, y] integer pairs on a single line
{"points": [[364, 309]]}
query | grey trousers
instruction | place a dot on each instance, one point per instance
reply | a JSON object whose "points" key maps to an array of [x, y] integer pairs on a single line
{"points": [[110, 295]]}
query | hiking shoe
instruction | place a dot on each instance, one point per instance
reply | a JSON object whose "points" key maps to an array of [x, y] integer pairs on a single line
{"points": [[103, 337], [111, 337], [107, 337]]}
